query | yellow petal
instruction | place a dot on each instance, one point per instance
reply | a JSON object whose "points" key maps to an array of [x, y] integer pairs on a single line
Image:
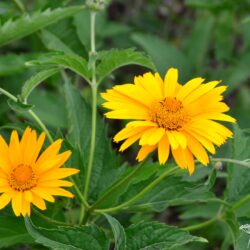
{"points": [[189, 87], [170, 82], [5, 199], [156, 136], [38, 202], [17, 203], [163, 149], [144, 152]]}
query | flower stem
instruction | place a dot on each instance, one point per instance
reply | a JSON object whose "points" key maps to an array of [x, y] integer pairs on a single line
{"points": [[140, 194], [200, 225], [19, 5], [116, 186], [41, 124], [49, 220], [94, 104], [238, 162], [241, 202]]}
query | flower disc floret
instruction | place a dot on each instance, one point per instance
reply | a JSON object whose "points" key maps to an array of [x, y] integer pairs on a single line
{"points": [[29, 177]]}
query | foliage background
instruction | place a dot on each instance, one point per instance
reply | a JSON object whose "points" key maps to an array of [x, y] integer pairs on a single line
{"points": [[201, 38]]}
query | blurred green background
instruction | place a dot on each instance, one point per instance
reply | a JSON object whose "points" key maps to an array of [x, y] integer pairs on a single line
{"points": [[207, 38]]}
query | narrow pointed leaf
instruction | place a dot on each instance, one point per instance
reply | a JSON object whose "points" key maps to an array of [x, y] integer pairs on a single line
{"points": [[118, 231], [27, 24]]}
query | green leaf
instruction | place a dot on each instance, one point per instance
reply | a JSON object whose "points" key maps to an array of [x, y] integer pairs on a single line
{"points": [[173, 190], [243, 241], [197, 44], [118, 231], [28, 24], [68, 61], [12, 231], [164, 54], [233, 225], [52, 42], [62, 37], [211, 179], [238, 180], [106, 163], [45, 101], [69, 238], [19, 106], [35, 80], [113, 59], [12, 64], [155, 235]]}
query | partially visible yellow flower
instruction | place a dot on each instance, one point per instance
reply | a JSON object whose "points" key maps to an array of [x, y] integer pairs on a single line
{"points": [[28, 177], [169, 116]]}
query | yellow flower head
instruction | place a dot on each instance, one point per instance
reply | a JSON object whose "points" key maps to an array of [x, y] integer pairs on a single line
{"points": [[27, 177], [169, 116]]}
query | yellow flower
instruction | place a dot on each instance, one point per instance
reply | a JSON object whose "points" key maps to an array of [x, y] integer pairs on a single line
{"points": [[29, 178], [169, 116]]}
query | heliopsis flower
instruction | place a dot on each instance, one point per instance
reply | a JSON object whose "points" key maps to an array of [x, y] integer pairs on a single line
{"points": [[28, 177], [170, 117]]}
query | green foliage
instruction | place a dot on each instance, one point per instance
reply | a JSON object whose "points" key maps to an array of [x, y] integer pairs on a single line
{"points": [[106, 164], [28, 24], [118, 231], [35, 80], [69, 238], [154, 235], [164, 54], [73, 62], [12, 231], [201, 38], [238, 185], [113, 59], [12, 64]]}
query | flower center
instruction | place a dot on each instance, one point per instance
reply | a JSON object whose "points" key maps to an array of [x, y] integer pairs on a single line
{"points": [[22, 178], [169, 114]]}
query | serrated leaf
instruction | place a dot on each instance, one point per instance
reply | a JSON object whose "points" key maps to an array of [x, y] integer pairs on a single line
{"points": [[173, 190], [118, 231], [164, 54], [106, 165], [238, 180], [68, 61], [35, 80], [69, 238], [114, 59], [19, 106], [28, 24], [158, 236]]}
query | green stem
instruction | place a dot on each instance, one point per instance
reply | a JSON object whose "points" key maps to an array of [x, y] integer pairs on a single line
{"points": [[116, 186], [49, 220], [41, 124], [140, 194], [8, 94], [94, 106], [19, 5], [241, 202], [201, 225], [238, 162], [80, 196], [36, 118]]}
